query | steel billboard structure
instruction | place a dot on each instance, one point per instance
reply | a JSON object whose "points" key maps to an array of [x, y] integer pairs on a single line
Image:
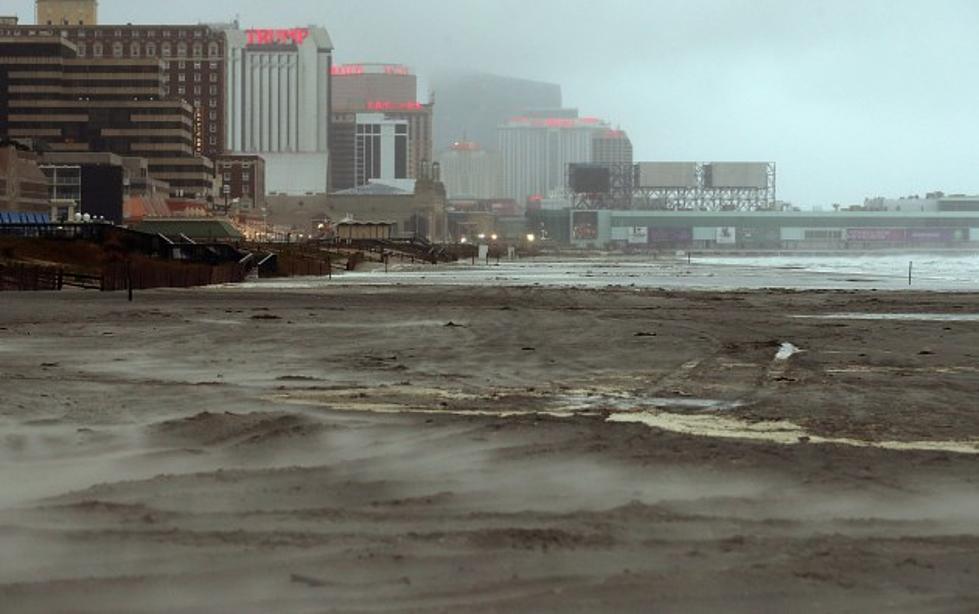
{"points": [[620, 193], [685, 186], [718, 186]]}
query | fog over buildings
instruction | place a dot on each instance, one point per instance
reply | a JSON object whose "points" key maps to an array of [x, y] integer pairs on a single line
{"points": [[851, 99]]}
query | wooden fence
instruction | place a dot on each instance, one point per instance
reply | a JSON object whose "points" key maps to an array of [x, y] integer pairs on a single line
{"points": [[118, 276]]}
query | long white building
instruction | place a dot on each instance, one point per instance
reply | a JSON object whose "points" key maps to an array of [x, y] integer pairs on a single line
{"points": [[536, 153], [278, 104]]}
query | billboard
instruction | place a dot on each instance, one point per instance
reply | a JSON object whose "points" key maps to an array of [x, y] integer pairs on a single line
{"points": [[894, 235], [726, 235], [590, 179], [671, 235], [638, 235], [584, 225], [934, 235], [743, 175], [664, 175]]}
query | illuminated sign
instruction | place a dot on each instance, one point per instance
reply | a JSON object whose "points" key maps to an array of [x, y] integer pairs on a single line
{"points": [[292, 36], [387, 105], [353, 70], [557, 122], [347, 71]]}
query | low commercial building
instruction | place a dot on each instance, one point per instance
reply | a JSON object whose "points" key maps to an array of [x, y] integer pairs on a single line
{"points": [[765, 230], [420, 213]]}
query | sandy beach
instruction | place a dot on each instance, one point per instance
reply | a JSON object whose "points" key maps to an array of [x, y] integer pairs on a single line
{"points": [[366, 448]]}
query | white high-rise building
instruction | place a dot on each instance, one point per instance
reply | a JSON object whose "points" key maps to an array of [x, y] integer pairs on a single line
{"points": [[278, 104], [471, 172], [536, 153]]}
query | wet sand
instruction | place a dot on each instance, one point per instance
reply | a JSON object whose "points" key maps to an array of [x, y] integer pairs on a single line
{"points": [[344, 449]]}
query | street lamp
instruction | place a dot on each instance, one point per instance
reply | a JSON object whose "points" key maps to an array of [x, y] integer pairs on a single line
{"points": [[531, 238]]}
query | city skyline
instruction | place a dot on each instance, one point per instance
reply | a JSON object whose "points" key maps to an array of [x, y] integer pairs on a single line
{"points": [[850, 100]]}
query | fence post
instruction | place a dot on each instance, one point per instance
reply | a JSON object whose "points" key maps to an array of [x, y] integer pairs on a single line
{"points": [[129, 280]]}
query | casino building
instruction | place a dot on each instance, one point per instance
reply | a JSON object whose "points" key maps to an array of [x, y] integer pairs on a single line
{"points": [[390, 90], [537, 149], [278, 104]]}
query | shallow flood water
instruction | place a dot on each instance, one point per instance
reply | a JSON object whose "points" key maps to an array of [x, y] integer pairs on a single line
{"points": [[949, 273]]}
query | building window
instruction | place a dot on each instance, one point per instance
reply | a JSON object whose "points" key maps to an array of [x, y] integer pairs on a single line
{"points": [[213, 77], [181, 65], [197, 65], [214, 102], [227, 177], [197, 77], [213, 50], [181, 90], [212, 128], [214, 90], [246, 176], [181, 77], [81, 49], [182, 50], [212, 115], [198, 50], [97, 50], [166, 50], [134, 50], [166, 34], [151, 50], [213, 65], [213, 140], [246, 189], [118, 33], [117, 50]]}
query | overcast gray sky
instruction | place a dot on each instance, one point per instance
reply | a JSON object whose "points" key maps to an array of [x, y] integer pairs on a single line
{"points": [[852, 98]]}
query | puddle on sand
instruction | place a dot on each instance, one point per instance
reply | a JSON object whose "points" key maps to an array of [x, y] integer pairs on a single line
{"points": [[900, 317], [780, 432], [685, 416]]}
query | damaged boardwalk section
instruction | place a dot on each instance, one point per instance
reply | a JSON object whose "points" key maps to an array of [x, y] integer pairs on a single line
{"points": [[488, 449]]}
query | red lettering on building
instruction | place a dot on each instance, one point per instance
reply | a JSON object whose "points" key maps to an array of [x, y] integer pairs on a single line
{"points": [[387, 105], [291, 36], [558, 122], [354, 70], [347, 70]]}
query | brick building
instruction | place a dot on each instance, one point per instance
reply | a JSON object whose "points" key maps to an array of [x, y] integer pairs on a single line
{"points": [[244, 176]]}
